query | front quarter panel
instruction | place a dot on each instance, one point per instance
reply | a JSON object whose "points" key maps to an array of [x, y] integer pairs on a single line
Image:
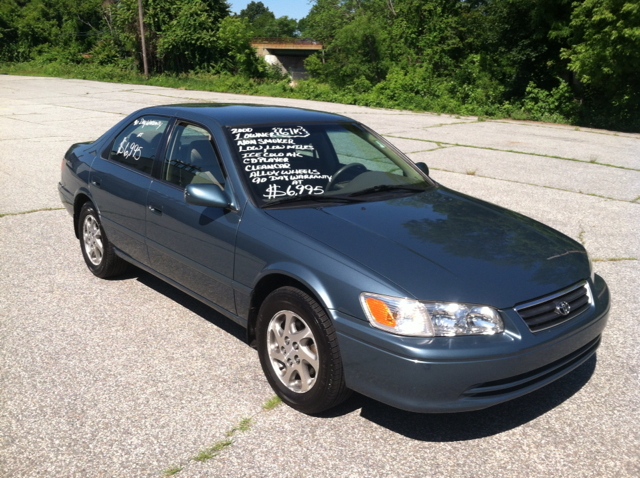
{"points": [[266, 246]]}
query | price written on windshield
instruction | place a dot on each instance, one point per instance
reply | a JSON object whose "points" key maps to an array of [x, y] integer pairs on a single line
{"points": [[280, 161], [274, 191]]}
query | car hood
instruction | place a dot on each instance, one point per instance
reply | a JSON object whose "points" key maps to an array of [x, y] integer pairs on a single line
{"points": [[445, 246]]}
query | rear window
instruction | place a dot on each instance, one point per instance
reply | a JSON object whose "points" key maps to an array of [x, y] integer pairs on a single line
{"points": [[138, 144]]}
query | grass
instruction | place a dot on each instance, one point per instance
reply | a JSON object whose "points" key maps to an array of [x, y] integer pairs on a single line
{"points": [[212, 451], [30, 211], [274, 86], [471, 172], [614, 259], [225, 83], [172, 470], [272, 403], [243, 426], [581, 237]]}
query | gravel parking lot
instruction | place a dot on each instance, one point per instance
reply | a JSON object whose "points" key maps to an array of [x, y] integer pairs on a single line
{"points": [[131, 377]]}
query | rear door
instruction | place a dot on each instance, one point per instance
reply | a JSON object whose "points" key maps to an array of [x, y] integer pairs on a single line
{"points": [[193, 245], [120, 180]]}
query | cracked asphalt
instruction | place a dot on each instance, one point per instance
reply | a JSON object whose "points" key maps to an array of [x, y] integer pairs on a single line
{"points": [[131, 377]]}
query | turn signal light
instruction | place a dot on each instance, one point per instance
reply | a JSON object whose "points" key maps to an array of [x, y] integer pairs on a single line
{"points": [[380, 312]]}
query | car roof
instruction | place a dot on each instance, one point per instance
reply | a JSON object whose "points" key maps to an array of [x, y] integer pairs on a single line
{"points": [[243, 114]]}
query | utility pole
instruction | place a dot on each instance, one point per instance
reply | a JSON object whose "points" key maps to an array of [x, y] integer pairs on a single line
{"points": [[144, 47]]}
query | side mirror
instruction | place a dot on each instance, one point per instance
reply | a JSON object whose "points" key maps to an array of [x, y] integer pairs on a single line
{"points": [[423, 167], [203, 194]]}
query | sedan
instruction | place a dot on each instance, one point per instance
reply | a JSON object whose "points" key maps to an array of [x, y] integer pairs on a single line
{"points": [[349, 266]]}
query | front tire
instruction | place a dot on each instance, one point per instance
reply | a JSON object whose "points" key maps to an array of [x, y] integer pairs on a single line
{"points": [[299, 354], [97, 251]]}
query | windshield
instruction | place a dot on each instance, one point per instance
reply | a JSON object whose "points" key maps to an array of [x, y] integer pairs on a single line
{"points": [[328, 160]]}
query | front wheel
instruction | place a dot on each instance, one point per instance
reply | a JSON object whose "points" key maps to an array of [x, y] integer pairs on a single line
{"points": [[97, 251], [298, 349]]}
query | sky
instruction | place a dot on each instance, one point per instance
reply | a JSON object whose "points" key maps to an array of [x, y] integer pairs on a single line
{"points": [[292, 8]]}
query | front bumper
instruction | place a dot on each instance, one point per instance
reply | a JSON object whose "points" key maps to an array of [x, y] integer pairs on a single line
{"points": [[453, 374]]}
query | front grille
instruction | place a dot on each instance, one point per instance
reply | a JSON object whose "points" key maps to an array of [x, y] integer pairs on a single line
{"points": [[543, 374], [548, 311]]}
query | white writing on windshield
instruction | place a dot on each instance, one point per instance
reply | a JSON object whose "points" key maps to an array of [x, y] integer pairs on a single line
{"points": [[267, 157]]}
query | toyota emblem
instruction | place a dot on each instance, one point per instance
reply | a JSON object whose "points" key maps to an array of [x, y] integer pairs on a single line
{"points": [[563, 308]]}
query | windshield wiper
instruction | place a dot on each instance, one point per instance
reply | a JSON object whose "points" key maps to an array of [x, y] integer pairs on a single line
{"points": [[311, 198], [387, 187]]}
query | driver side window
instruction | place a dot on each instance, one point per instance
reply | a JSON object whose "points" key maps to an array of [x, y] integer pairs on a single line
{"points": [[190, 157]]}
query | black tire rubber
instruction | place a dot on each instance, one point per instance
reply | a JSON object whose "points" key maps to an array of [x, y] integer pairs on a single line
{"points": [[111, 265], [329, 389]]}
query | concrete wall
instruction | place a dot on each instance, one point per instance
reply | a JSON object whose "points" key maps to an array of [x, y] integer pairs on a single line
{"points": [[289, 57]]}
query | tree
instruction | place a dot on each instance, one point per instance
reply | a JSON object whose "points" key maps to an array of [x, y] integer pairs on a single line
{"points": [[605, 46], [265, 24], [235, 39], [61, 28], [254, 10], [325, 19]]}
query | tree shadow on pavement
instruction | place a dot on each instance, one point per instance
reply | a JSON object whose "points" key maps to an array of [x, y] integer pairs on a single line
{"points": [[470, 425]]}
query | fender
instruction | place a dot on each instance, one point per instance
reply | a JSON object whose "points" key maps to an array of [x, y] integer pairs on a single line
{"points": [[301, 274]]}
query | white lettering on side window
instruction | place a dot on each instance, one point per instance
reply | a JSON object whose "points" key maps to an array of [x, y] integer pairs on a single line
{"points": [[130, 150], [144, 123]]}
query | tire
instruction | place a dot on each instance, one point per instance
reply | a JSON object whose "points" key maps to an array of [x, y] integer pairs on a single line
{"points": [[96, 249], [299, 354]]}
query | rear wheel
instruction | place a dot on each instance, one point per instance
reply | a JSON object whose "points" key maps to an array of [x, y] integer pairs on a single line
{"points": [[97, 251], [298, 349]]}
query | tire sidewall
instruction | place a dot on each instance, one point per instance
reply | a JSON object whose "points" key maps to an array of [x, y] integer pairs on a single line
{"points": [[283, 299], [88, 209]]}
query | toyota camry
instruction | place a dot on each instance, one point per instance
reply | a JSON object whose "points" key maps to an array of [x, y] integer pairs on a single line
{"points": [[349, 266]]}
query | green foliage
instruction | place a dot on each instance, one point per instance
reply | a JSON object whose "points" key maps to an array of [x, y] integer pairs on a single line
{"points": [[254, 10], [550, 60], [234, 38], [513, 40], [29, 28], [185, 32], [325, 19], [265, 24], [212, 451], [172, 470], [570, 61], [272, 403], [606, 42], [603, 53], [557, 105], [427, 32]]}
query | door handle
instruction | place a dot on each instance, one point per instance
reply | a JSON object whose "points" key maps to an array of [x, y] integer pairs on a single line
{"points": [[96, 182], [155, 210]]}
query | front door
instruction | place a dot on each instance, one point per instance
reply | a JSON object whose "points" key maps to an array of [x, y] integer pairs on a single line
{"points": [[193, 245]]}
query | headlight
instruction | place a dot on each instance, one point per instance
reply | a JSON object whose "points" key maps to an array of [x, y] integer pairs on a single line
{"points": [[429, 319], [592, 273]]}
